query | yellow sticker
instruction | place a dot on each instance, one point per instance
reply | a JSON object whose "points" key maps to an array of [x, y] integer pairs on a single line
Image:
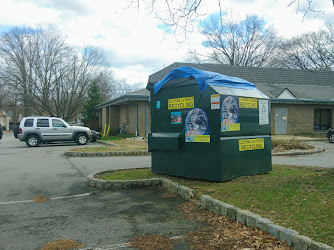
{"points": [[251, 144], [181, 103], [247, 103], [203, 138], [235, 127]]}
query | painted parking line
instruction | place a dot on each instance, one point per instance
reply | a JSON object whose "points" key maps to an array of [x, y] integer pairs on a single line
{"points": [[55, 198]]}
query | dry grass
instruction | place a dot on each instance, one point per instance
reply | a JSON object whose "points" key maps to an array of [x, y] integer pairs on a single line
{"points": [[123, 145]]}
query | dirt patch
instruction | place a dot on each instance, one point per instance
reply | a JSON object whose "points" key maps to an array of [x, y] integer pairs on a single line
{"points": [[62, 245], [153, 242], [219, 233], [40, 199]]}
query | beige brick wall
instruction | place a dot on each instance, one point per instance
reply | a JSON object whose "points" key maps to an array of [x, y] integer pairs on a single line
{"points": [[104, 116], [114, 117], [300, 118]]}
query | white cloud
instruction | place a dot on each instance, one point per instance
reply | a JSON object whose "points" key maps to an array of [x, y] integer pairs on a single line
{"points": [[135, 46]]}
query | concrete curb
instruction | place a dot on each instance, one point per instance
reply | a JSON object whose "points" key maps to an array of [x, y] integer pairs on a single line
{"points": [[107, 153], [292, 237]]}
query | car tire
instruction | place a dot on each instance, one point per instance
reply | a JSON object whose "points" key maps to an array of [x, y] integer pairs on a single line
{"points": [[33, 140], [331, 137], [81, 139]]}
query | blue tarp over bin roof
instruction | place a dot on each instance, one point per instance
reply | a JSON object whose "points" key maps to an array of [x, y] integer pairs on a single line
{"points": [[204, 78]]}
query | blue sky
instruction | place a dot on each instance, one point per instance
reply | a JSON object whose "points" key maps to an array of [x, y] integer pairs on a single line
{"points": [[135, 43]]}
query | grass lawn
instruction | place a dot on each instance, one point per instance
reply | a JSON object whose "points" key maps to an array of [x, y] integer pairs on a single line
{"points": [[132, 145], [123, 145], [301, 198]]}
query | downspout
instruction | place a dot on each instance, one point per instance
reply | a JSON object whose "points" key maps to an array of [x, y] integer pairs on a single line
{"points": [[146, 119], [136, 112]]}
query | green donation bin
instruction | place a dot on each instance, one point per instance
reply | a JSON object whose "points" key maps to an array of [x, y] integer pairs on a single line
{"points": [[208, 126]]}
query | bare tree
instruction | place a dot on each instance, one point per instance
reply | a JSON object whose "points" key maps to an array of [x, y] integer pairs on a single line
{"points": [[244, 43], [51, 77], [313, 50], [16, 65], [121, 87], [178, 16]]}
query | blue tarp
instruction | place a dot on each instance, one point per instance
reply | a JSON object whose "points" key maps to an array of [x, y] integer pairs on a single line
{"points": [[204, 78]]}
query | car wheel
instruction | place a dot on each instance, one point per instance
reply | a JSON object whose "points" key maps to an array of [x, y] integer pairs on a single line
{"points": [[81, 139], [331, 138], [33, 140]]}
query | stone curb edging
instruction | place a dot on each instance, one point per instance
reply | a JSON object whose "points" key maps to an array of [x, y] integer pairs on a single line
{"points": [[185, 192], [107, 143], [107, 153], [144, 152], [300, 152], [292, 237]]}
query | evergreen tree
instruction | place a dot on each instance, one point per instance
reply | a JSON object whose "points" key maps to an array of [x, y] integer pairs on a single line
{"points": [[91, 115]]}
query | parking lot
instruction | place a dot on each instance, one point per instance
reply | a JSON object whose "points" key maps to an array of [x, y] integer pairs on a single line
{"points": [[97, 218]]}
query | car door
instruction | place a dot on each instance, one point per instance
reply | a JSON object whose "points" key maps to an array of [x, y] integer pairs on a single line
{"points": [[44, 129], [60, 131]]}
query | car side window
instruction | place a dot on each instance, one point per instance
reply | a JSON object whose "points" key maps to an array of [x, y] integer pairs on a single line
{"points": [[28, 122], [57, 123], [43, 123]]}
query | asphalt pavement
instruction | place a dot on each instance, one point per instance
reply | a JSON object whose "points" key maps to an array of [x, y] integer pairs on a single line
{"points": [[324, 159], [97, 218]]}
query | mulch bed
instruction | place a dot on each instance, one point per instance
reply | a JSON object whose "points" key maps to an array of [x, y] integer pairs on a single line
{"points": [[219, 233], [286, 147]]}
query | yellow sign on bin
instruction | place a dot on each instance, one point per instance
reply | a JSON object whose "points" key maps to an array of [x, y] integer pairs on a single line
{"points": [[251, 144], [181, 103], [247, 103]]}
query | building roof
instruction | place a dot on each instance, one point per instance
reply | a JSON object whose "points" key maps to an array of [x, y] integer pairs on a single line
{"points": [[138, 95], [303, 84]]}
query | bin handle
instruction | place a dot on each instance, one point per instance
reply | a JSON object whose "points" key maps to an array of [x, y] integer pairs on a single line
{"points": [[199, 98]]}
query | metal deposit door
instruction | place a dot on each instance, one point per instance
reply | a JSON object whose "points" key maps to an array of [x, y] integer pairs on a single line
{"points": [[281, 120]]}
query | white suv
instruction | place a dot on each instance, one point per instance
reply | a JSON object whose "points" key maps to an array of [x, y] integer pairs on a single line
{"points": [[36, 129]]}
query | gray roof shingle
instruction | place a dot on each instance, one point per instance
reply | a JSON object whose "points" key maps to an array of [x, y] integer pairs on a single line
{"points": [[303, 84]]}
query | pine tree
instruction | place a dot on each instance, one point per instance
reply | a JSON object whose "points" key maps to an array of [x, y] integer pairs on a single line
{"points": [[91, 115]]}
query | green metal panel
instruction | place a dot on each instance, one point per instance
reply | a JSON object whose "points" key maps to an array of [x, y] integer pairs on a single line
{"points": [[223, 155]]}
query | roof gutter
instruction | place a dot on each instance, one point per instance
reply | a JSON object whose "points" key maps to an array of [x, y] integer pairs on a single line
{"points": [[299, 101], [119, 99]]}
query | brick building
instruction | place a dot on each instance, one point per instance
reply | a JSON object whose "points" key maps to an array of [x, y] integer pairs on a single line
{"points": [[4, 120], [301, 100], [131, 109]]}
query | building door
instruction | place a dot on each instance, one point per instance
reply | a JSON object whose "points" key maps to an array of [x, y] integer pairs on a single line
{"points": [[281, 117]]}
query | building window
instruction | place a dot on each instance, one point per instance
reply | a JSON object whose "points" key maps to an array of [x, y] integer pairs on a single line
{"points": [[322, 119]]}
